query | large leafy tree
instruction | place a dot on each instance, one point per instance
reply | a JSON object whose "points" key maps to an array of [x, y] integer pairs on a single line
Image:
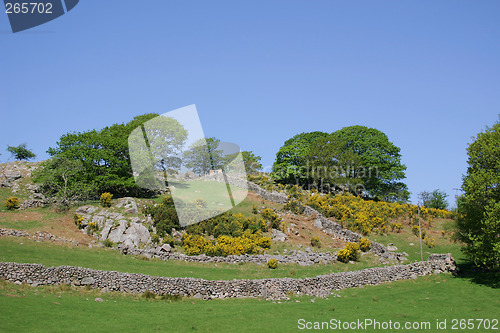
{"points": [[291, 165], [21, 152], [358, 158], [479, 207], [380, 168], [204, 155], [101, 158], [252, 162], [332, 165]]}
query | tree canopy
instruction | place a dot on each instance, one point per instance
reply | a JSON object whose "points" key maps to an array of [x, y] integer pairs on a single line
{"points": [[86, 164], [21, 152], [291, 164], [479, 207], [204, 155], [435, 199], [356, 157]]}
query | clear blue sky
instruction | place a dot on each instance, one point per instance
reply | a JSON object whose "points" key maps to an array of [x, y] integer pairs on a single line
{"points": [[427, 73]]}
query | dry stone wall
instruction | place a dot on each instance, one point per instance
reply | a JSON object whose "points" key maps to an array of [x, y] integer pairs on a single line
{"points": [[274, 288]]}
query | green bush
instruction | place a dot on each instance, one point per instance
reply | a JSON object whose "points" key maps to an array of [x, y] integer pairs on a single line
{"points": [[106, 199], [164, 215], [12, 203], [107, 242], [349, 253], [364, 244], [272, 263], [315, 242]]}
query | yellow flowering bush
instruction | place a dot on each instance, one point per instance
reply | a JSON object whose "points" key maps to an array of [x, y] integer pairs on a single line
{"points": [[272, 217], [366, 216], [78, 220], [349, 253], [12, 203], [248, 243], [272, 263], [106, 199], [364, 244]]}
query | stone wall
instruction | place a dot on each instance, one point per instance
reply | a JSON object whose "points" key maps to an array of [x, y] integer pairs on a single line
{"points": [[273, 288], [303, 258]]}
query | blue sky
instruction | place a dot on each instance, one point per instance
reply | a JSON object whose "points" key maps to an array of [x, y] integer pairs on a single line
{"points": [[426, 73]]}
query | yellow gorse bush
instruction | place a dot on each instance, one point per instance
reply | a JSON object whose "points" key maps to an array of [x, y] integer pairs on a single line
{"points": [[248, 243], [365, 216]]}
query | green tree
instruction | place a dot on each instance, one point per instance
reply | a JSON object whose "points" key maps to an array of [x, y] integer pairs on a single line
{"points": [[381, 168], [204, 155], [332, 165], [435, 199], [101, 158], [291, 165], [252, 162], [479, 208], [21, 152]]}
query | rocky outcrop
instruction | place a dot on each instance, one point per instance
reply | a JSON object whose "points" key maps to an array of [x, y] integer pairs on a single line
{"points": [[115, 226], [278, 288]]}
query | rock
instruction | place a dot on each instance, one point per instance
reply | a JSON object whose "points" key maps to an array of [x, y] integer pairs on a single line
{"points": [[318, 224], [392, 248], [12, 175], [166, 248], [87, 280], [98, 299], [115, 235], [411, 244], [278, 235], [137, 232], [86, 210]]}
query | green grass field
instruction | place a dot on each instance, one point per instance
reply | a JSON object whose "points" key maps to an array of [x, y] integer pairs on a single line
{"points": [[23, 250], [66, 309]]}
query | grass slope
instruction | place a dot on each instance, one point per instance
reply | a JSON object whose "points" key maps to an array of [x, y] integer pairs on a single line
{"points": [[65, 309], [23, 250]]}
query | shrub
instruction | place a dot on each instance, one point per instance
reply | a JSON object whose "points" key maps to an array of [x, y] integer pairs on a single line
{"points": [[12, 203], [106, 199], [155, 239], [93, 226], [430, 242], [294, 206], [364, 244], [107, 242], [78, 220], [415, 230], [315, 242], [272, 263], [272, 217], [349, 253], [254, 210]]}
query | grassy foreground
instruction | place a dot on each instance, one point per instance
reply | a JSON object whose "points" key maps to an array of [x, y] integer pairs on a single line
{"points": [[66, 309]]}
